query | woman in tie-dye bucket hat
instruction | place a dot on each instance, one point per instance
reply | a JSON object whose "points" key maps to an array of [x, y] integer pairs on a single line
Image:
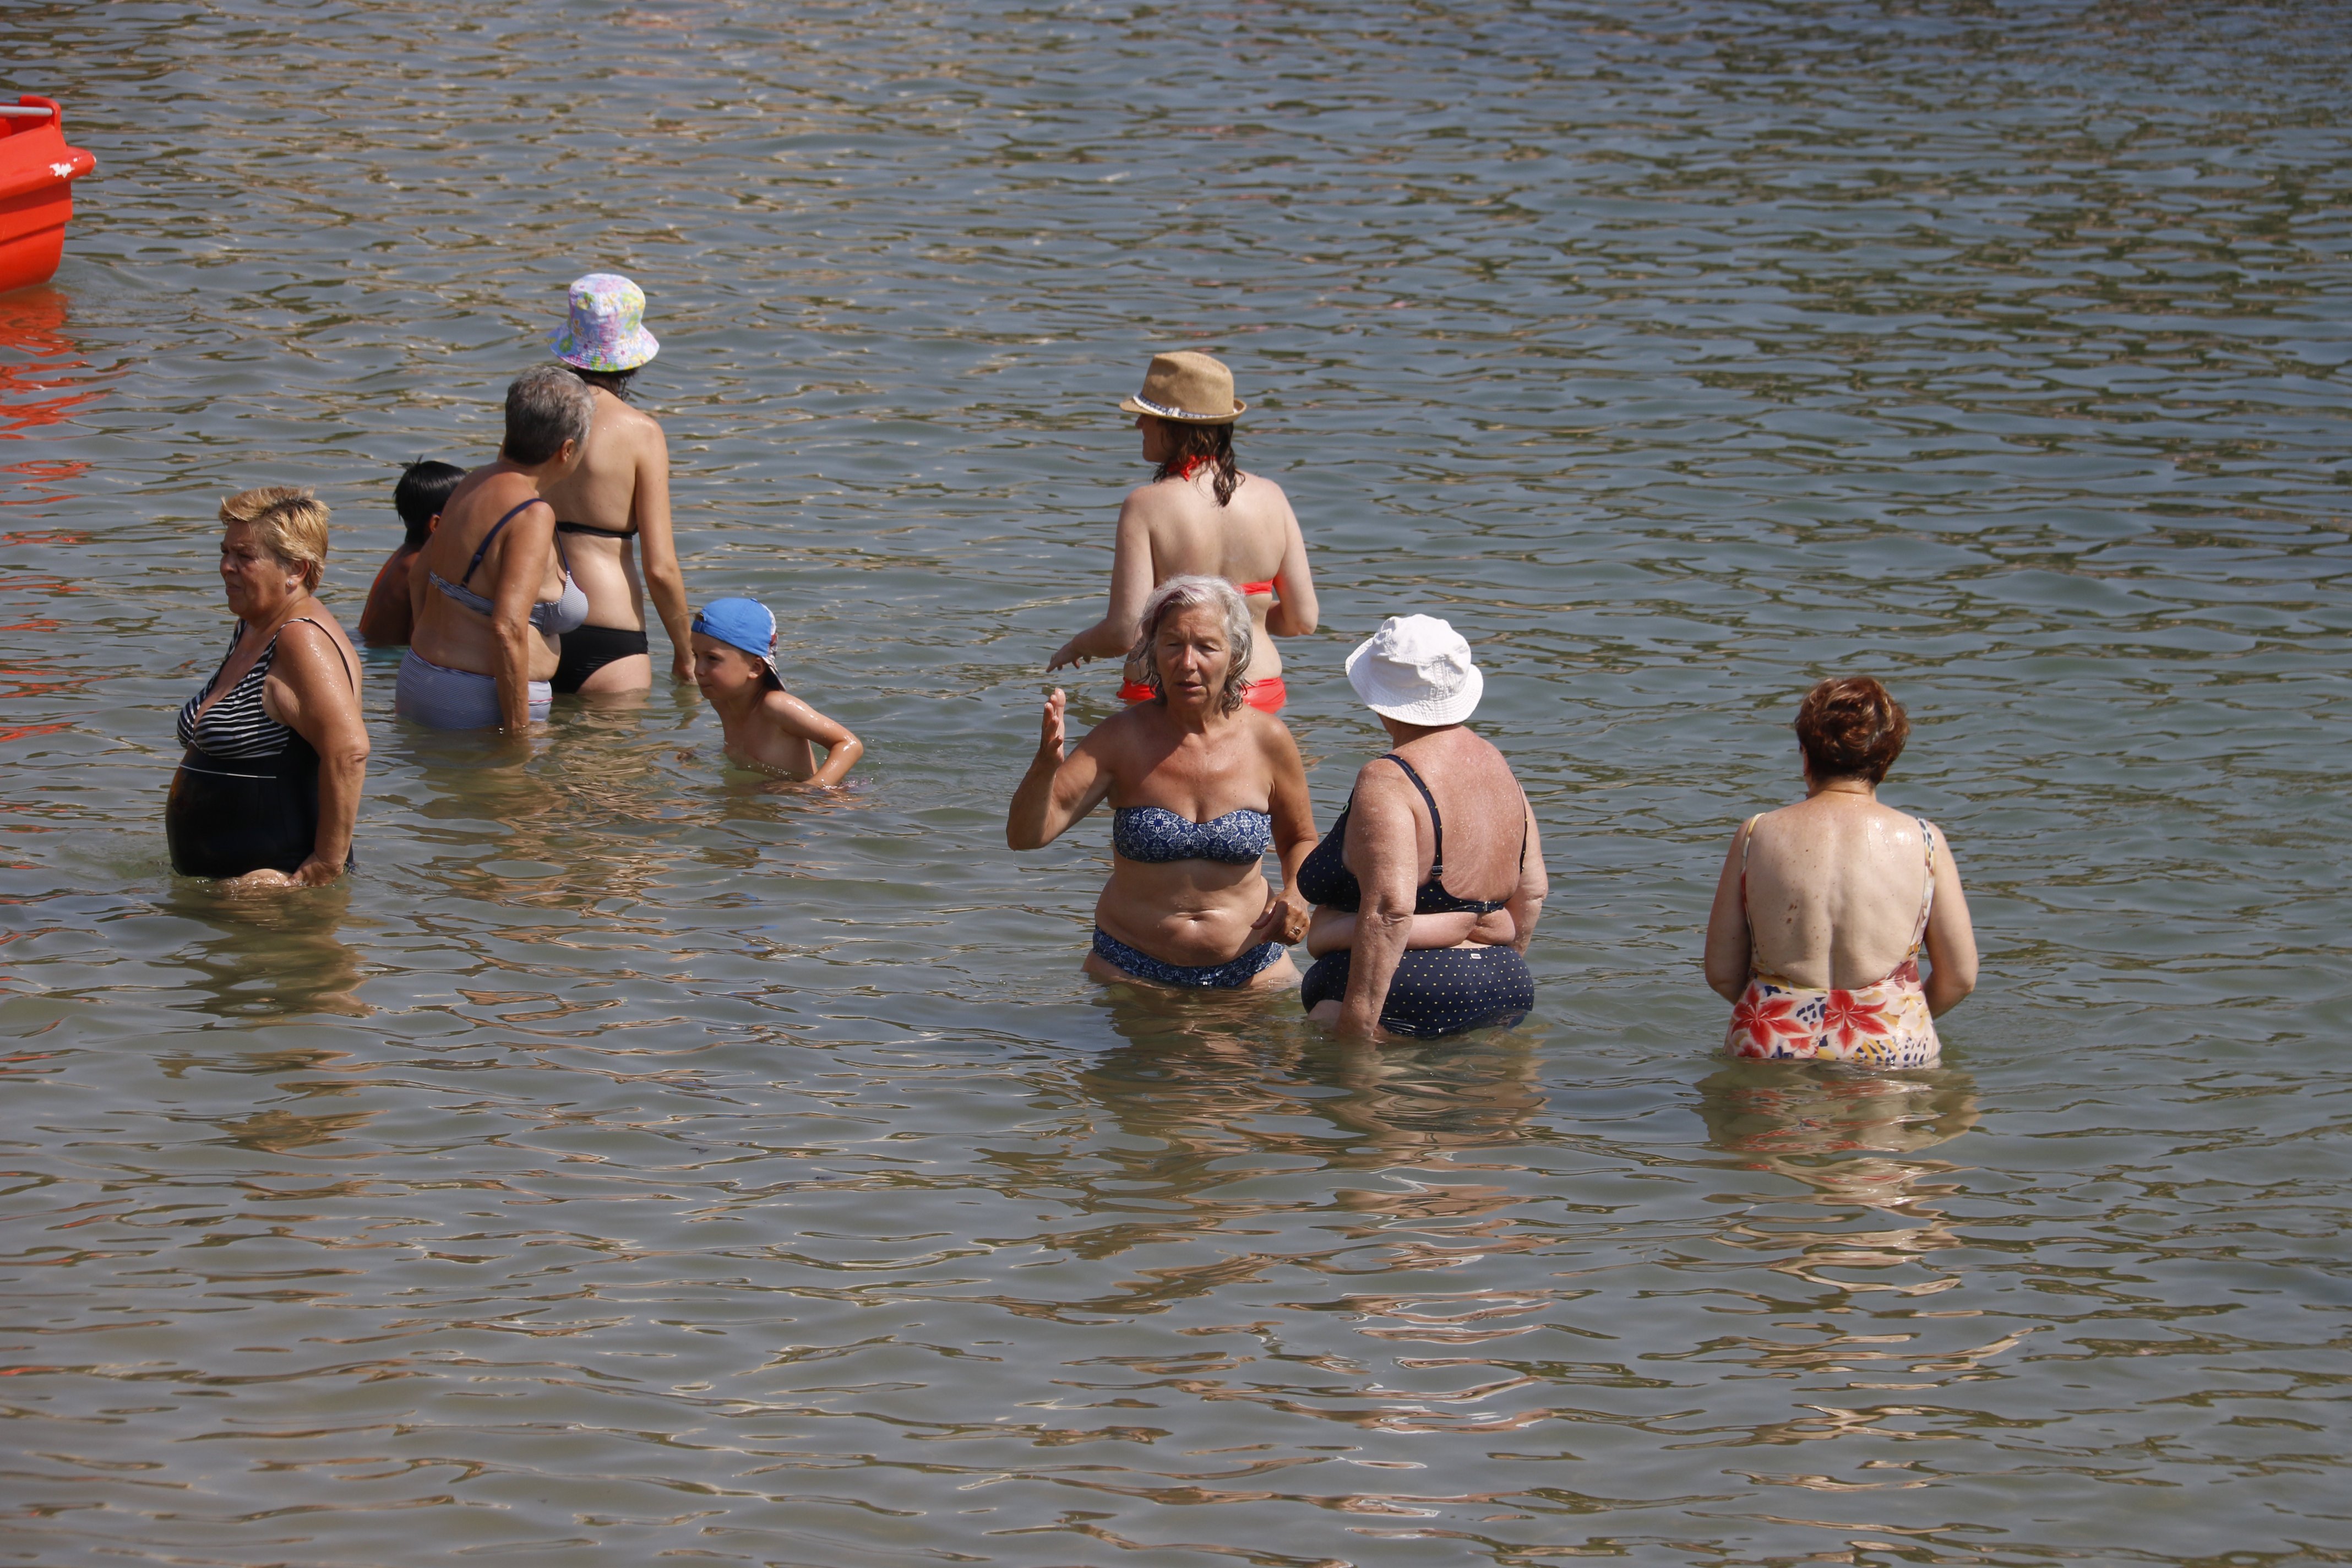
{"points": [[606, 331], [614, 506]]}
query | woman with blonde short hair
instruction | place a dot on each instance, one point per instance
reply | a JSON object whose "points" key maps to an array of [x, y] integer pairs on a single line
{"points": [[268, 790], [1825, 908], [1202, 785]]}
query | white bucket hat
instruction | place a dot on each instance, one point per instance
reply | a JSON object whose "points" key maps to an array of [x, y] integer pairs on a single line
{"points": [[1417, 669]]}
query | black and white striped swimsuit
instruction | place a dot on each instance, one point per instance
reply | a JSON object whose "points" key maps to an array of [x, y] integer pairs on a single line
{"points": [[247, 795], [238, 728]]}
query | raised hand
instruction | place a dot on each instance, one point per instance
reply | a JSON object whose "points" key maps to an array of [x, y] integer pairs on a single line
{"points": [[1052, 732]]}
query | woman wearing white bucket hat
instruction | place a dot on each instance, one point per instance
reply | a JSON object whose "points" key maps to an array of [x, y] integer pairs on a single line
{"points": [[614, 506], [1396, 948], [1202, 785], [1201, 514]]}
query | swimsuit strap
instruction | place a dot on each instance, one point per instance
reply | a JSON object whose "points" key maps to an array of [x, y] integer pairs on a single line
{"points": [[331, 643], [1436, 823], [1928, 896], [473, 565], [1748, 837]]}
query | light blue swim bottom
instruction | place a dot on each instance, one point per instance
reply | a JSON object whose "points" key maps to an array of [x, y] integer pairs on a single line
{"points": [[455, 699]]}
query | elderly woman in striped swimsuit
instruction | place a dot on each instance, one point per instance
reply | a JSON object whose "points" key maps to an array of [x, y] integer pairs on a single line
{"points": [[277, 748], [1201, 514], [1825, 908]]}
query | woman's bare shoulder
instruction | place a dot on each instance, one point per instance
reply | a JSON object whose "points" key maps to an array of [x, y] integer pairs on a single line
{"points": [[317, 633]]}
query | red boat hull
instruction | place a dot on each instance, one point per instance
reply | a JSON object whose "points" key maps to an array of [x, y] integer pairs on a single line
{"points": [[36, 175]]}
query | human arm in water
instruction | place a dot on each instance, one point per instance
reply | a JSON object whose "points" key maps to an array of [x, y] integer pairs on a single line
{"points": [[1951, 937], [797, 719], [1295, 613], [657, 551], [1057, 790], [526, 551], [1383, 851], [1526, 904], [1286, 915], [1727, 950], [1130, 584], [309, 690]]}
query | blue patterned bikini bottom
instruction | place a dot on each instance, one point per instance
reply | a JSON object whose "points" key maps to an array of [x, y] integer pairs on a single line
{"points": [[1231, 974]]}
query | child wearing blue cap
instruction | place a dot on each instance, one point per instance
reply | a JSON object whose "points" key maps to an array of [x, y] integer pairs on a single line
{"points": [[766, 726]]}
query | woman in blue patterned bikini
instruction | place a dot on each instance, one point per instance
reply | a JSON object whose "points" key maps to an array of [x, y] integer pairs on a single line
{"points": [[1201, 786]]}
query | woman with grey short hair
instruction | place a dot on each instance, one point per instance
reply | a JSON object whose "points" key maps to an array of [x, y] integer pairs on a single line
{"points": [[1202, 785], [494, 594]]}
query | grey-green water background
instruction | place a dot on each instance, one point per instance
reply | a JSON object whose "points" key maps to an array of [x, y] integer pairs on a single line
{"points": [[630, 1164]]}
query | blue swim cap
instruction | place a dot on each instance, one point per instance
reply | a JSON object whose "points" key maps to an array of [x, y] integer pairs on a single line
{"points": [[743, 624]]}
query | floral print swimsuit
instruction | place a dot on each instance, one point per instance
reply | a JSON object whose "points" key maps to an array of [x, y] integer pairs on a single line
{"points": [[1884, 1025]]}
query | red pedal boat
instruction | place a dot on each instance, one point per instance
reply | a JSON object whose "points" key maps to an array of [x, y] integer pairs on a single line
{"points": [[36, 175]]}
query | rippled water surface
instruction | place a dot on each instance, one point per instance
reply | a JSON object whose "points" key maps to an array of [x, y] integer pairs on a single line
{"points": [[636, 1163]]}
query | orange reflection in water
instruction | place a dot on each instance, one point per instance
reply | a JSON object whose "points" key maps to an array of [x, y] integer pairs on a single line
{"points": [[40, 385]]}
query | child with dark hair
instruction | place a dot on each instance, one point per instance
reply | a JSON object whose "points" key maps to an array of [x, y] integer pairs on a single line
{"points": [[424, 487]]}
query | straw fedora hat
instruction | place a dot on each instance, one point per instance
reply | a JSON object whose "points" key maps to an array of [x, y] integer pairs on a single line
{"points": [[1191, 388], [1417, 669]]}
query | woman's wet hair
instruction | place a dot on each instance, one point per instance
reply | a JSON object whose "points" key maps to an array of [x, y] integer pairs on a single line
{"points": [[1212, 442], [546, 407], [1181, 594], [422, 490], [288, 521], [1851, 727], [616, 382]]}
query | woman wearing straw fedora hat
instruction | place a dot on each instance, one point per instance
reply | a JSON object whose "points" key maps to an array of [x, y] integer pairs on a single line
{"points": [[1201, 786], [614, 506], [1429, 886], [1201, 514]]}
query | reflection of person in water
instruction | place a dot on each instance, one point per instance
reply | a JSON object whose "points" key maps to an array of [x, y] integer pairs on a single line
{"points": [[268, 958], [1855, 1140], [1209, 1083]]}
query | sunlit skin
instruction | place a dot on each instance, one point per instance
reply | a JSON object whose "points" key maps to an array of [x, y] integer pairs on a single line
{"points": [[310, 689], [1201, 763], [1833, 887], [519, 570], [1172, 527], [623, 478], [1391, 846], [766, 728], [390, 614]]}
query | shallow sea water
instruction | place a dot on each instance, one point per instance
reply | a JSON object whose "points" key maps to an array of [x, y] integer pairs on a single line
{"points": [[634, 1162]]}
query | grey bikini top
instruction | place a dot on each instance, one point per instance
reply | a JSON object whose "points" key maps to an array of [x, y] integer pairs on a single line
{"points": [[565, 613]]}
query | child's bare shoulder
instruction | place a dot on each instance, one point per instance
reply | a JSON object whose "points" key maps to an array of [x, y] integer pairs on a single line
{"points": [[784, 708]]}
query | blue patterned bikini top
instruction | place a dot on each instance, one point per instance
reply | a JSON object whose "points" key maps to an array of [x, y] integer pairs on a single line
{"points": [[1155, 834]]}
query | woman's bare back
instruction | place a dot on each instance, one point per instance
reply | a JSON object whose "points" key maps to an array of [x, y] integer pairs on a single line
{"points": [[1834, 886], [1247, 540]]}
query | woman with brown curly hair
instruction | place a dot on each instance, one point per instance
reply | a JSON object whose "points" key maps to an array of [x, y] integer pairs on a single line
{"points": [[1201, 786], [1202, 515], [1825, 908]]}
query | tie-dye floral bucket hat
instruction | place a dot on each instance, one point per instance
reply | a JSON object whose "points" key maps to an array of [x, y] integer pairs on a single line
{"points": [[607, 328]]}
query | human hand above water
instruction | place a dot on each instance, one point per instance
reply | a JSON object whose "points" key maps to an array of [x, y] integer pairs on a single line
{"points": [[1284, 919], [1052, 730]]}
